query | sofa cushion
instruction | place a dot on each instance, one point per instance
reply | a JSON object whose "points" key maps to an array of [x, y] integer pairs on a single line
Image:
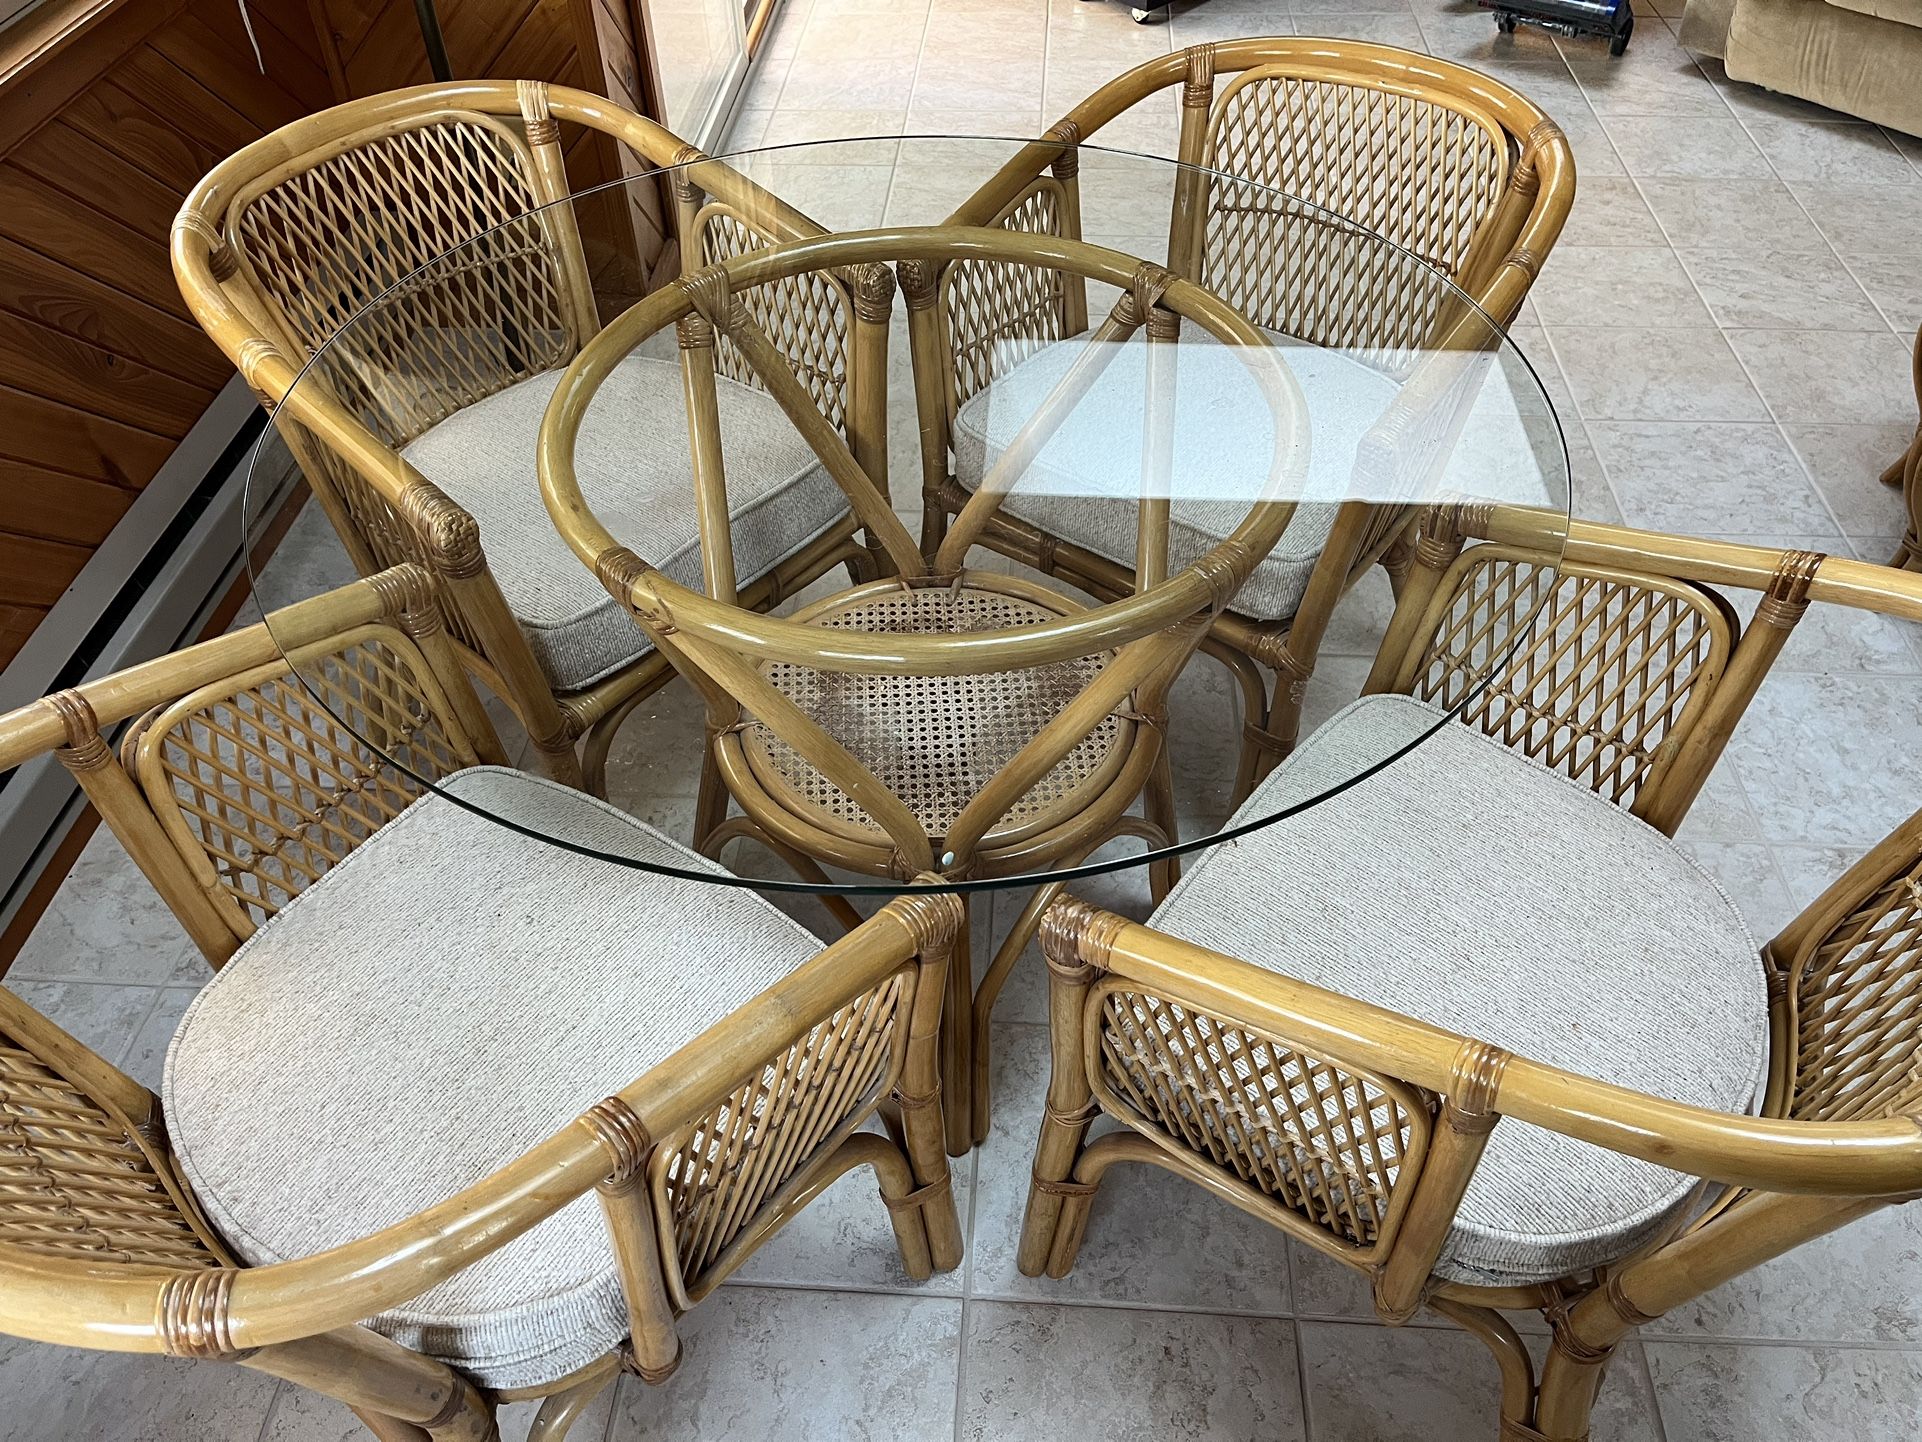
{"points": [[449, 995], [637, 476], [1472, 888]]}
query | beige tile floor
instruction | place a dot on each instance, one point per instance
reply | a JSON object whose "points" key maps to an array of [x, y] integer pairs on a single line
{"points": [[1723, 327]]}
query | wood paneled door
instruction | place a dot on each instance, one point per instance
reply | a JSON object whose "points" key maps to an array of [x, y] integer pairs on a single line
{"points": [[109, 111]]}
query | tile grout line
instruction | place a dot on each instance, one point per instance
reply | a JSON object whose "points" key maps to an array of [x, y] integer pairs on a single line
{"points": [[1647, 1374], [1294, 1331]]}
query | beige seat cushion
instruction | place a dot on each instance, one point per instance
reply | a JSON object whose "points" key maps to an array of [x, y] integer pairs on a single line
{"points": [[636, 475], [446, 997], [1470, 887]]}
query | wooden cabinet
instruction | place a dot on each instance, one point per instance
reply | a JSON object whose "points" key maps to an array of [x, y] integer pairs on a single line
{"points": [[109, 111]]}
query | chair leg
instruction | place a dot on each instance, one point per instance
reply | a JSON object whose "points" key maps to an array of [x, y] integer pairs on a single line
{"points": [[1398, 560], [1254, 711], [1565, 1398], [1158, 805], [563, 1409], [600, 740], [560, 761], [710, 803], [389, 1429], [957, 1043], [1015, 943], [1511, 1355], [1069, 1110], [802, 865], [989, 992]]}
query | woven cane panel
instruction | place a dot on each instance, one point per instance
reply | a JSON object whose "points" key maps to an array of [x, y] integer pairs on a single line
{"points": [[999, 314], [1586, 674], [722, 1173], [806, 316], [935, 741], [359, 237], [73, 1183], [1419, 173], [276, 786], [1858, 1011], [1326, 1144]]}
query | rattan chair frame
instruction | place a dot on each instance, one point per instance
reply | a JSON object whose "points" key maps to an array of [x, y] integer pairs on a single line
{"points": [[1523, 204], [1144, 638], [1837, 1133], [102, 1244], [384, 511]]}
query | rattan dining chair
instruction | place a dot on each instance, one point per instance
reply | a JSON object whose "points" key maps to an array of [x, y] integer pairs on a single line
{"points": [[428, 1041], [1501, 929], [1301, 156], [326, 245], [944, 719]]}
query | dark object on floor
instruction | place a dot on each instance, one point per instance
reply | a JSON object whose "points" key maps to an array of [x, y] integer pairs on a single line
{"points": [[1152, 11], [1612, 18]]}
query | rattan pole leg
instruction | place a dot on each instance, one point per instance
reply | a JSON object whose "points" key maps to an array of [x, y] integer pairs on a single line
{"points": [[1511, 1355], [380, 1379], [957, 1044], [1070, 1106], [803, 866], [560, 1412], [929, 365], [650, 1314], [600, 740], [1254, 710], [710, 803], [1158, 804], [895, 1176], [989, 992], [1398, 560], [918, 1112]]}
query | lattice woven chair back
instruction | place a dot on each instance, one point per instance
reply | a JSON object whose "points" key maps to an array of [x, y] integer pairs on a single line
{"points": [[1326, 1146], [991, 316], [720, 1180], [362, 232], [266, 781], [1332, 166], [78, 1181], [1851, 976], [1596, 675]]}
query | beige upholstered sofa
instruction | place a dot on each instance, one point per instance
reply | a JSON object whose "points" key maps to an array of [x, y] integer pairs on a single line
{"points": [[1863, 57]]}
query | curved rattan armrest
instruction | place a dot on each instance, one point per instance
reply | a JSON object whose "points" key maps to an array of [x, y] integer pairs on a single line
{"points": [[1862, 1158], [1839, 581], [39, 726], [1206, 585], [126, 1308]]}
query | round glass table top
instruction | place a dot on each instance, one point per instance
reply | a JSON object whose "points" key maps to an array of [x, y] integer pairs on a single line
{"points": [[905, 512]]}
